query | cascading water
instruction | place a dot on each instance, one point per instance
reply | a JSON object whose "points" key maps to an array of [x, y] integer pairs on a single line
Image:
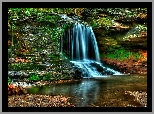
{"points": [[81, 47], [84, 45]]}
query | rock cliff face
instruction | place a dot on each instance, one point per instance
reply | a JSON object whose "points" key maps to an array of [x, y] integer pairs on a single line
{"points": [[123, 29], [114, 28], [119, 26]]}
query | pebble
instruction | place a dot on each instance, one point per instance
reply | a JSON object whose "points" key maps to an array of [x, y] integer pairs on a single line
{"points": [[30, 100], [140, 97]]}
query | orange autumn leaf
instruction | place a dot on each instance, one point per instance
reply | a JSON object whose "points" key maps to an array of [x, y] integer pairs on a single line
{"points": [[143, 55]]}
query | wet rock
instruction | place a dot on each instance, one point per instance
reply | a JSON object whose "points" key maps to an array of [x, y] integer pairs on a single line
{"points": [[77, 72], [11, 60], [22, 84], [17, 73], [102, 70]]}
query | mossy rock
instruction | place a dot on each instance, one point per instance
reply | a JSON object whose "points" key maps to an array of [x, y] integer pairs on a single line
{"points": [[108, 41]]}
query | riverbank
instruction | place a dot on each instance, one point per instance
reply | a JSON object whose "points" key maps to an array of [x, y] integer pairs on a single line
{"points": [[30, 100], [130, 91], [19, 97], [134, 99], [29, 84], [126, 66]]}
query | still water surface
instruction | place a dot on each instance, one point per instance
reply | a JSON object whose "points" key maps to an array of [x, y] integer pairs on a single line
{"points": [[103, 91]]}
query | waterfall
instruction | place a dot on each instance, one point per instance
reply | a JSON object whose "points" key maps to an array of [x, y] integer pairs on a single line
{"points": [[84, 45], [81, 47]]}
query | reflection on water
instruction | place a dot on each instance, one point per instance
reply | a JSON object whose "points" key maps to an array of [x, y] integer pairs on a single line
{"points": [[94, 91]]}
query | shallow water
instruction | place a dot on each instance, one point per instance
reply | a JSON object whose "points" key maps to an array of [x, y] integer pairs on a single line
{"points": [[103, 91]]}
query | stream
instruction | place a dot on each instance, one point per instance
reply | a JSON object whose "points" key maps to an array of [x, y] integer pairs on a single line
{"points": [[109, 91], [93, 83]]}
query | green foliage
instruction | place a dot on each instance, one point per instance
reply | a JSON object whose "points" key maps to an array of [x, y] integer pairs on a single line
{"points": [[94, 24], [25, 66], [55, 34], [53, 57], [105, 22], [42, 15], [53, 25], [19, 13], [46, 77], [34, 77], [15, 67], [48, 18], [121, 54], [9, 80]]}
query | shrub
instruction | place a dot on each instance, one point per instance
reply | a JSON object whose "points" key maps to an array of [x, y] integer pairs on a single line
{"points": [[34, 77], [122, 54], [46, 77]]}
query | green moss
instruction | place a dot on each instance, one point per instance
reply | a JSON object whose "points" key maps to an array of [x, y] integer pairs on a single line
{"points": [[94, 24], [34, 77], [121, 54], [47, 77], [25, 66], [105, 22]]}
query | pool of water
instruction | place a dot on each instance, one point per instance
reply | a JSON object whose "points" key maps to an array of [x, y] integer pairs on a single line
{"points": [[109, 91]]}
